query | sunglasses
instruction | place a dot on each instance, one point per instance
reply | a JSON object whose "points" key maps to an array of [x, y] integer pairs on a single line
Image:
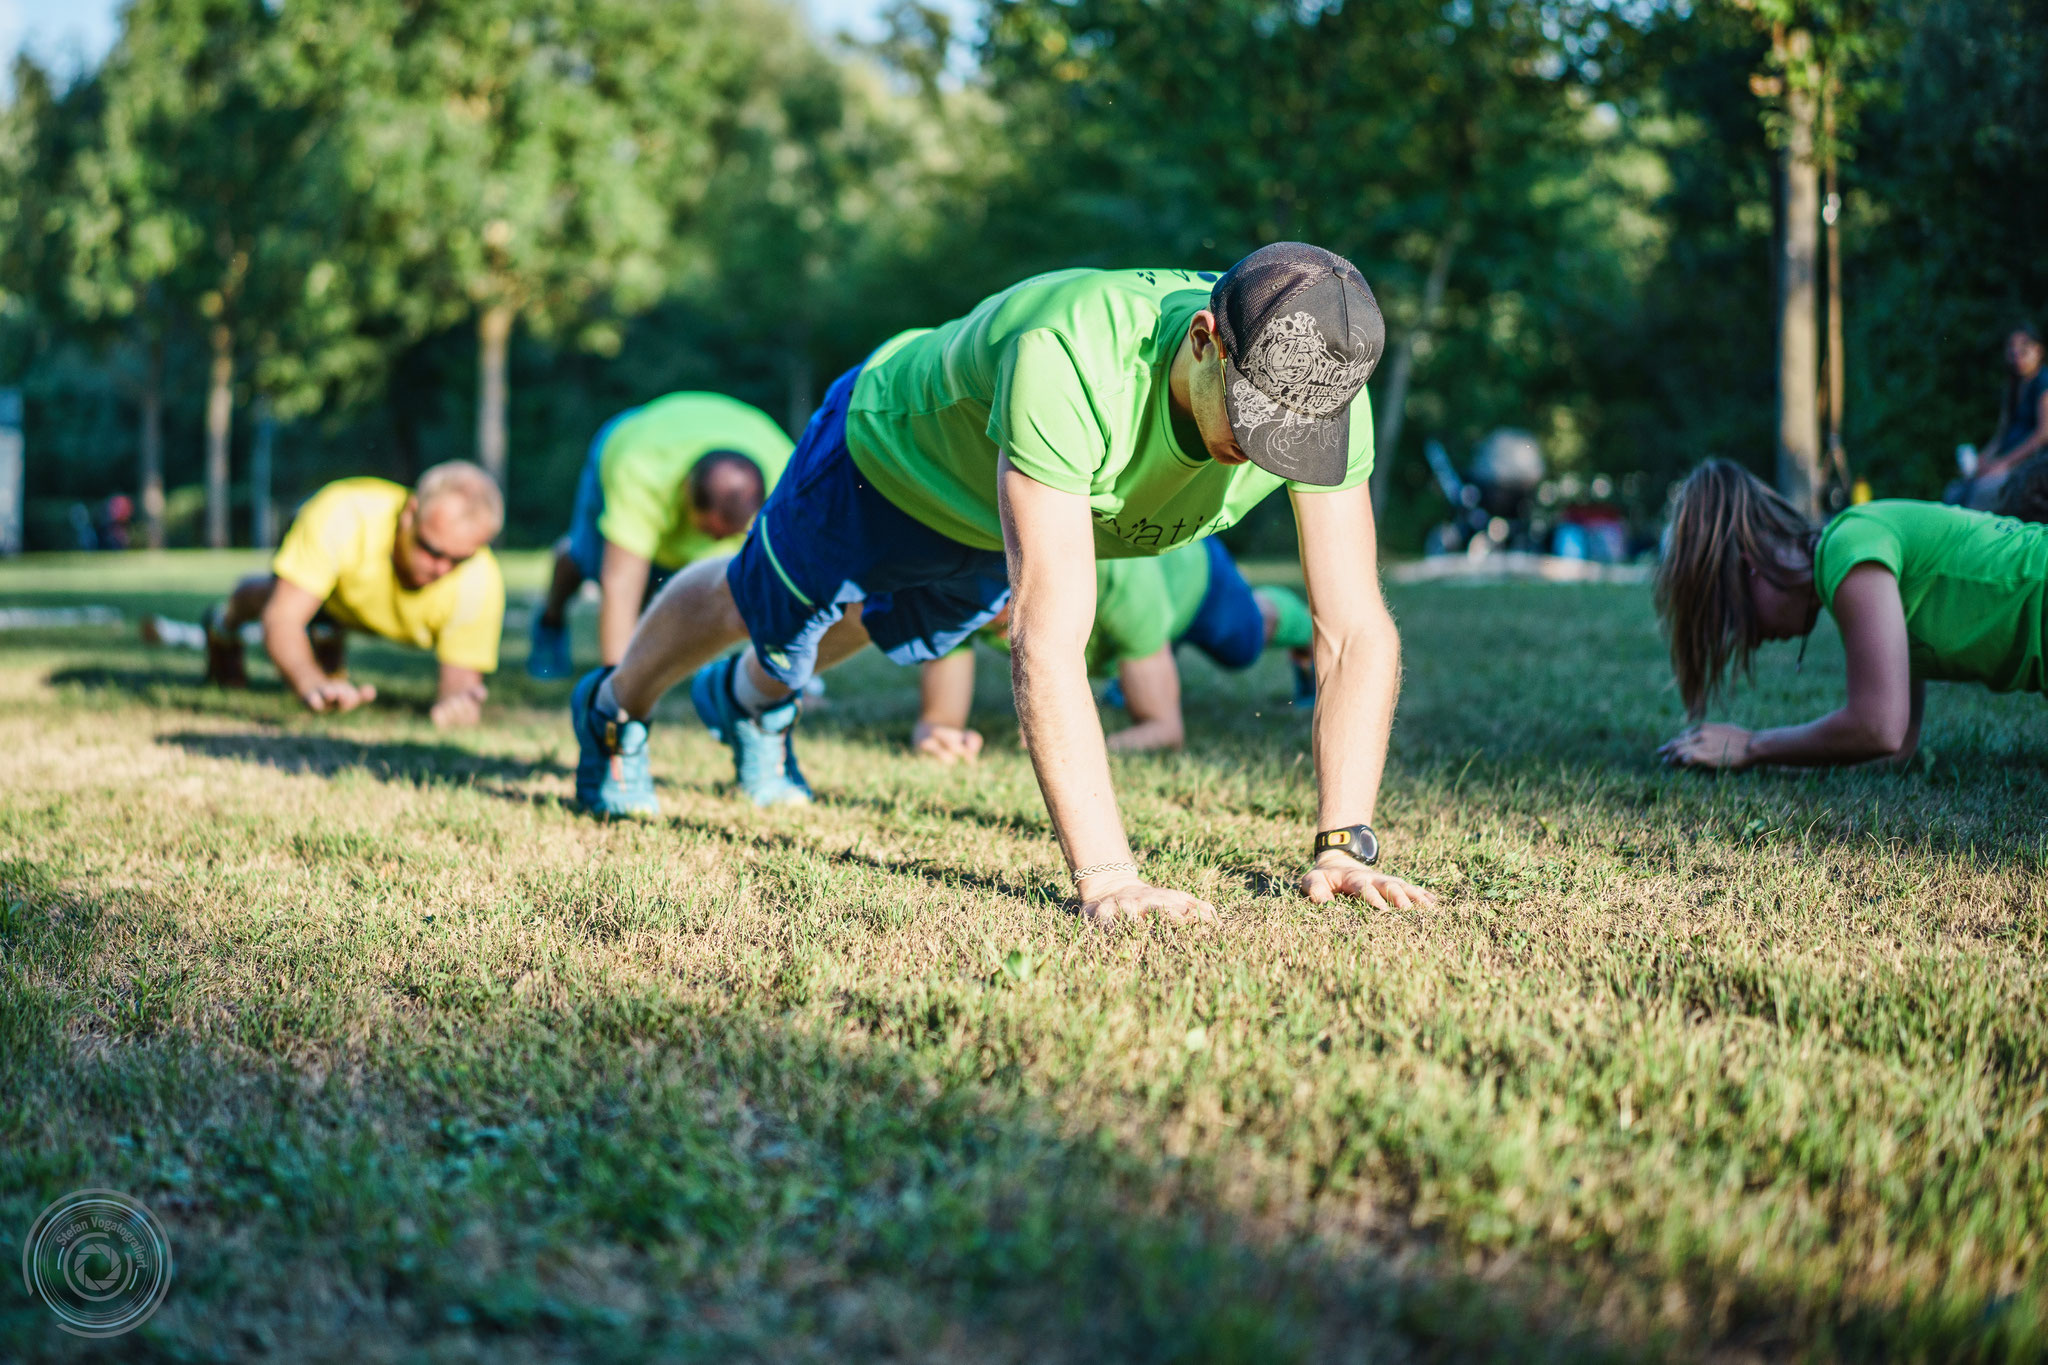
{"points": [[428, 548]]}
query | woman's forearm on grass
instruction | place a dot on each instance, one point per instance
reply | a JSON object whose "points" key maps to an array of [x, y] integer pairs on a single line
{"points": [[1838, 738]]}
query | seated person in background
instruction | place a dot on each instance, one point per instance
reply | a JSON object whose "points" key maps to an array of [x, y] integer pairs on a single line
{"points": [[1918, 590], [411, 565], [2022, 420], [2025, 493], [1144, 608], [664, 485]]}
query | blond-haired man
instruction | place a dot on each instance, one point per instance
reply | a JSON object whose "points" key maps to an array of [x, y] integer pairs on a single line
{"points": [[410, 565]]}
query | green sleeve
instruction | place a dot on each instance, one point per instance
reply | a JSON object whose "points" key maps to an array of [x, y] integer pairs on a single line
{"points": [[639, 506], [1041, 417], [1855, 537], [1133, 612]]}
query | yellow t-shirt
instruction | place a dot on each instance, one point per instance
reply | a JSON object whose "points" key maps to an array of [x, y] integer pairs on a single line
{"points": [[648, 456], [339, 549]]}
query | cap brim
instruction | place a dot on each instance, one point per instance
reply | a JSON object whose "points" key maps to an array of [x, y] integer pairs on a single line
{"points": [[1283, 442]]}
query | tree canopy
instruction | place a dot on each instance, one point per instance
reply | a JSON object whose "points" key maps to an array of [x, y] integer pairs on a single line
{"points": [[421, 229]]}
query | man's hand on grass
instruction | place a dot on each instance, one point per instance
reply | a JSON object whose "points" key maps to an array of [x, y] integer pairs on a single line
{"points": [[946, 743], [1111, 896], [460, 708], [1340, 874], [1710, 746], [337, 694]]}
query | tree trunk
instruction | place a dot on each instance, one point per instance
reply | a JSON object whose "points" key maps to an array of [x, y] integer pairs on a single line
{"points": [[1799, 454], [220, 409], [1394, 410], [1831, 214], [493, 345], [262, 527], [152, 491]]}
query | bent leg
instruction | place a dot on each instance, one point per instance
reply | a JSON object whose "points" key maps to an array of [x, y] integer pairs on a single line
{"points": [[247, 601], [691, 623]]}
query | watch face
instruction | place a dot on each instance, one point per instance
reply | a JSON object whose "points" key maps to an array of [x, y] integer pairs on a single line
{"points": [[1359, 841]]}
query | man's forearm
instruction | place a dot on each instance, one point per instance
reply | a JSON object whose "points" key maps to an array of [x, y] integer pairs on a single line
{"points": [[618, 612], [946, 690], [289, 648], [1056, 712], [1358, 677]]}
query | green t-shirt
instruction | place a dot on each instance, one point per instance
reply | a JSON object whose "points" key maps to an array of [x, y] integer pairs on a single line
{"points": [[1141, 606], [1067, 374], [647, 460], [1975, 586]]}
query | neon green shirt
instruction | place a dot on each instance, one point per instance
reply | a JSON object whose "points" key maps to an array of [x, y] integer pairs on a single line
{"points": [[1141, 606], [1975, 586], [648, 457], [1067, 373]]}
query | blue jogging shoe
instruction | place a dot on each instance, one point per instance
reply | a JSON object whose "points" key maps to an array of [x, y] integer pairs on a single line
{"points": [[613, 775], [548, 657], [763, 750]]}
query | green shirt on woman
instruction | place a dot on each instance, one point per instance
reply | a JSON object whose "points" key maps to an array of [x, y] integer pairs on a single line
{"points": [[1975, 586]]}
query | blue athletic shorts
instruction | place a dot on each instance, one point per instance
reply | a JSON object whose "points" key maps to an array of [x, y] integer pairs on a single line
{"points": [[586, 545], [826, 538], [1228, 625]]}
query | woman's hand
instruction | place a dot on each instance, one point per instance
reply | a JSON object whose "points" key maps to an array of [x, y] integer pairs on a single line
{"points": [[1339, 874], [1711, 746]]}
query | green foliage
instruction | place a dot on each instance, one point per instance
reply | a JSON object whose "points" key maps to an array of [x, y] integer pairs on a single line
{"points": [[700, 194]]}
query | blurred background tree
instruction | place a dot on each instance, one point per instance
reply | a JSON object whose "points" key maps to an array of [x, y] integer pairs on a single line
{"points": [[419, 229]]}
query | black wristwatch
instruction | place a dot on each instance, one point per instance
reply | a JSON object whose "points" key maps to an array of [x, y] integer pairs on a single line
{"points": [[1357, 840]]}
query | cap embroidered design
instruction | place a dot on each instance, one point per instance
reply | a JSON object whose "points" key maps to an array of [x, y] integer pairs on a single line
{"points": [[1292, 362]]}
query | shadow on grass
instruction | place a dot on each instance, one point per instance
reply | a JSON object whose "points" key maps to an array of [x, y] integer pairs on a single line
{"points": [[649, 1176], [654, 1179], [929, 869], [405, 761]]}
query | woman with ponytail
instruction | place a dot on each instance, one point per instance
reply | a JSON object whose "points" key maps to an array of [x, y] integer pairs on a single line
{"points": [[1918, 591]]}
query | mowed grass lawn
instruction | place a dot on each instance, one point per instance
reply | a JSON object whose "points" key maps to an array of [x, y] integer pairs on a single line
{"points": [[415, 1063]]}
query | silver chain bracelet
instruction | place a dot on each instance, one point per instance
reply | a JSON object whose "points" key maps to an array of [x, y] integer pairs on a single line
{"points": [[1080, 874]]}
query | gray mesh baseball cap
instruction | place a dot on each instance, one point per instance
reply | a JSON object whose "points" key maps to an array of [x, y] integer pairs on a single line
{"points": [[1302, 333]]}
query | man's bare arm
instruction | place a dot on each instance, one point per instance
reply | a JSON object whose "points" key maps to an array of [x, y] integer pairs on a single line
{"points": [[623, 582], [459, 700], [945, 689], [1050, 540], [1152, 695], [1358, 677], [286, 616]]}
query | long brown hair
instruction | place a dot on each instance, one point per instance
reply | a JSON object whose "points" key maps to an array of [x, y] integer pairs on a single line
{"points": [[1723, 517]]}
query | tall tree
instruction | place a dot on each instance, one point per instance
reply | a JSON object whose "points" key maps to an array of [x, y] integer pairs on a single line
{"points": [[1199, 134], [526, 159], [197, 134], [1817, 50]]}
